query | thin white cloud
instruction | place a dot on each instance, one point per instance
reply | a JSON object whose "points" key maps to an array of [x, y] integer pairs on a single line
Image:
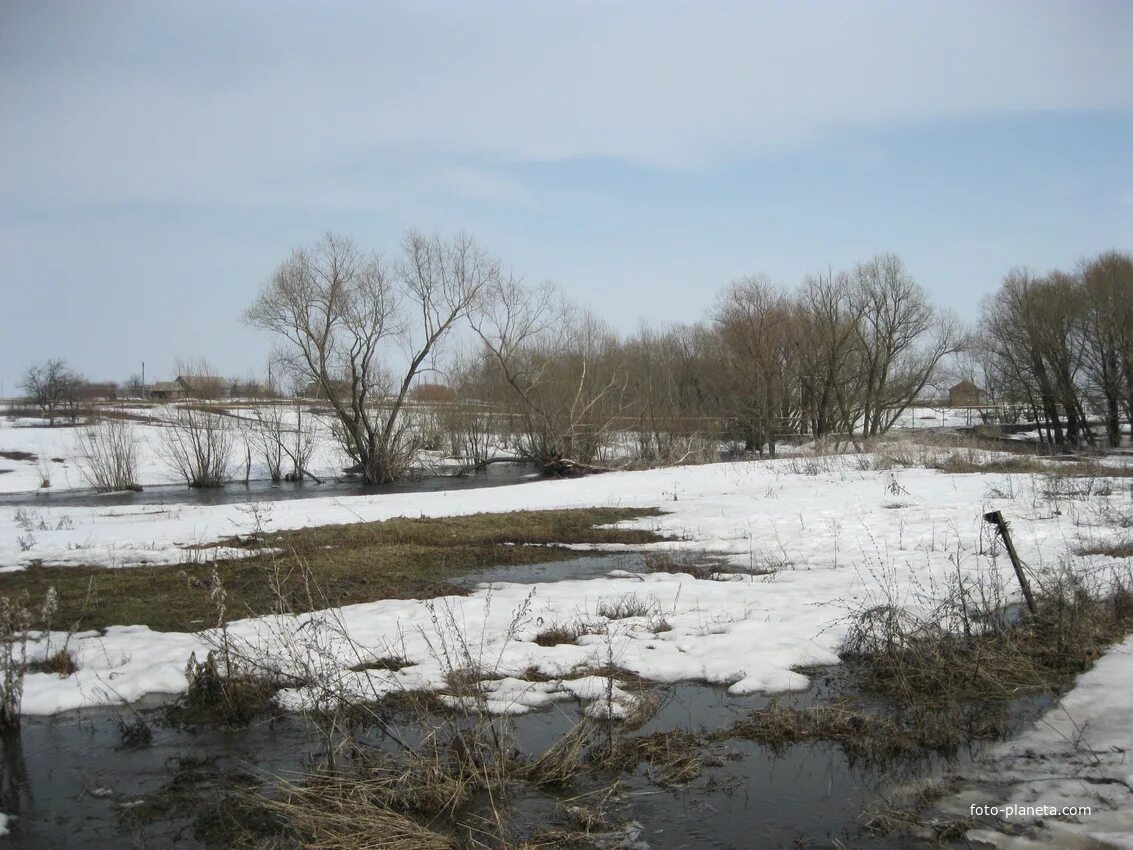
{"points": [[477, 184], [245, 102]]}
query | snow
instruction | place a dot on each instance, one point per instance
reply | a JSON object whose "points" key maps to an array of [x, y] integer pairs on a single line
{"points": [[4, 821], [61, 442], [832, 533], [1077, 754], [834, 540]]}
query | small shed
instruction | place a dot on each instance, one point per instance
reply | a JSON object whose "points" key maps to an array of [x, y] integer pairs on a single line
{"points": [[165, 391], [966, 394]]}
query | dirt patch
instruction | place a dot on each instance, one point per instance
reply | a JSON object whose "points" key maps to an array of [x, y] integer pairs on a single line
{"points": [[18, 455]]}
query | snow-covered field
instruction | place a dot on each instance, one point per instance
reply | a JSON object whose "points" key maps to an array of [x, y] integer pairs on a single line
{"points": [[55, 450], [835, 534]]}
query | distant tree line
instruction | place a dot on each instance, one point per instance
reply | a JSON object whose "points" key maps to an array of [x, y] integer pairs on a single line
{"points": [[1061, 345], [839, 358]]}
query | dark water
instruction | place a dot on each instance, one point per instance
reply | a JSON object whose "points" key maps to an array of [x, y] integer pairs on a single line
{"points": [[71, 783], [496, 475], [582, 567]]}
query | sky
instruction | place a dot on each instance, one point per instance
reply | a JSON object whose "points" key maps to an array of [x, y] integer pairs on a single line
{"points": [[158, 160]]}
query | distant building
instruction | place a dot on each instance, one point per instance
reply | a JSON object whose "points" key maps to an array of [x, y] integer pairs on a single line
{"points": [[202, 386], [966, 394], [314, 390], [165, 391], [96, 391], [189, 386]]}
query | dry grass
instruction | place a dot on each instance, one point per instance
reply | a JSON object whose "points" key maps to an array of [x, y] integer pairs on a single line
{"points": [[17, 455], [561, 633], [975, 463], [627, 605], [213, 699], [962, 652], [871, 734], [909, 817], [395, 559], [388, 662], [696, 566], [676, 756], [1113, 550], [62, 663], [368, 809]]}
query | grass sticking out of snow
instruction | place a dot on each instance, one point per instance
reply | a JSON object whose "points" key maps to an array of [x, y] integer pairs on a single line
{"points": [[395, 559]]}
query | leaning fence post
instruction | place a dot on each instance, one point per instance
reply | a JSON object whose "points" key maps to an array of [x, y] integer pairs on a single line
{"points": [[996, 519]]}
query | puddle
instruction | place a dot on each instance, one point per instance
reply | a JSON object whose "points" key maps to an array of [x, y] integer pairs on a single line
{"points": [[71, 784], [582, 567], [496, 475]]}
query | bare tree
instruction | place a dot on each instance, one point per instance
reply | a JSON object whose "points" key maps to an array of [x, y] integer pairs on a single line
{"points": [[900, 338], [197, 444], [756, 325], [676, 393], [107, 455], [562, 369], [353, 325], [52, 386], [285, 446], [823, 348], [1107, 282], [134, 386], [1033, 332]]}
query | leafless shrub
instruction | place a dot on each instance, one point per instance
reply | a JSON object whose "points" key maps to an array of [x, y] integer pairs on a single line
{"points": [[197, 444], [286, 449], [15, 619], [627, 605], [107, 455]]}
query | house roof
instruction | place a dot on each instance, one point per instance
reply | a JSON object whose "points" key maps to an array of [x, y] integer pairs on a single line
{"points": [[199, 381], [966, 385]]}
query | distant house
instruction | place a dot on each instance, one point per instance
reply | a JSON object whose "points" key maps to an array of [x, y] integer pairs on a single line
{"points": [[314, 390], [189, 386], [202, 386], [96, 391], [966, 394], [165, 391]]}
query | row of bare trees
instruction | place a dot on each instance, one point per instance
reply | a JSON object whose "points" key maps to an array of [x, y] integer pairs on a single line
{"points": [[536, 377], [1062, 345], [840, 357]]}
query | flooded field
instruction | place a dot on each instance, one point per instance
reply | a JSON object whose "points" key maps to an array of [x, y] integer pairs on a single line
{"points": [[73, 781], [496, 475]]}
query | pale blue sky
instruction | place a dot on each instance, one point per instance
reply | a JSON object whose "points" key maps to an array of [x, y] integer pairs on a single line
{"points": [[158, 160]]}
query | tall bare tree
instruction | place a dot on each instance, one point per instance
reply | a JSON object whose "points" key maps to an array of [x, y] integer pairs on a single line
{"points": [[1107, 282], [52, 386], [756, 325], [900, 340], [562, 368], [823, 347], [363, 330]]}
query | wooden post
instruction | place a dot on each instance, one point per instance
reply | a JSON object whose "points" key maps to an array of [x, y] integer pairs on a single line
{"points": [[996, 519]]}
